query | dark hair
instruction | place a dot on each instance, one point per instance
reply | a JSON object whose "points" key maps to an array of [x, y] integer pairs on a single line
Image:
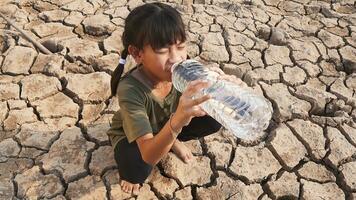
{"points": [[156, 24]]}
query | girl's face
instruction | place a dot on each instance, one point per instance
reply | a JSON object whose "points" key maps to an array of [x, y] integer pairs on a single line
{"points": [[158, 62]]}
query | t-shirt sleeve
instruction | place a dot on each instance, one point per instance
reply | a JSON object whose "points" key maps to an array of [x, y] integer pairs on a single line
{"points": [[135, 120]]}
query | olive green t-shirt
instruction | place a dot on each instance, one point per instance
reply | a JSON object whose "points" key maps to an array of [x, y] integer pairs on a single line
{"points": [[140, 111]]}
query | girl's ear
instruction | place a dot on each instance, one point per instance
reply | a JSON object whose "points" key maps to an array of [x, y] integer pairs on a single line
{"points": [[135, 53]]}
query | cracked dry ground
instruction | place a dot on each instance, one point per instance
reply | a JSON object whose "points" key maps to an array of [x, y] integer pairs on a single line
{"points": [[55, 109]]}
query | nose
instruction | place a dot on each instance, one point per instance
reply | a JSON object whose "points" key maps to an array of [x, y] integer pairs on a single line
{"points": [[174, 56]]}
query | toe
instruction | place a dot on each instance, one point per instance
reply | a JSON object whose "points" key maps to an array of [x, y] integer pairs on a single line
{"points": [[136, 188], [126, 188], [186, 159], [129, 189]]}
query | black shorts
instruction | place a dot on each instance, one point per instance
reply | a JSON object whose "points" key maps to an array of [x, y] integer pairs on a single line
{"points": [[134, 169]]}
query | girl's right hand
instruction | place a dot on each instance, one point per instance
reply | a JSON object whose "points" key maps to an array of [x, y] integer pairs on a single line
{"points": [[188, 107]]}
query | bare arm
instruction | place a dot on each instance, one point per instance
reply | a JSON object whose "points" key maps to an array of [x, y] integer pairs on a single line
{"points": [[153, 148]]}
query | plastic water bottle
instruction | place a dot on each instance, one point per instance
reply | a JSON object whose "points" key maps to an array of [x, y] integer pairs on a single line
{"points": [[241, 111]]}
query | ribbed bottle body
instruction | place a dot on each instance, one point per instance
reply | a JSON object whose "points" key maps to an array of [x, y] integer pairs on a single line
{"points": [[241, 111]]}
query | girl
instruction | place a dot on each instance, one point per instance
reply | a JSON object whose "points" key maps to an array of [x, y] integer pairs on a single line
{"points": [[154, 117]]}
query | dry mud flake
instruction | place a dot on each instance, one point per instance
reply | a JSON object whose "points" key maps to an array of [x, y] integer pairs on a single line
{"points": [[311, 135], [277, 55], [254, 163], [349, 132], [98, 25], [119, 11], [286, 185], [68, 154], [53, 15], [288, 147], [163, 185], [38, 135], [14, 166], [315, 172], [145, 193], [89, 87], [312, 70], [83, 6], [199, 169], [32, 184], [6, 188], [317, 96], [221, 152], [304, 50], [3, 111], [227, 188], [90, 187], [235, 38], [16, 104], [237, 70], [255, 58], [8, 148], [60, 123], [294, 76], [112, 179], [19, 60], [330, 40], [287, 104], [74, 19], [108, 63], [349, 172], [18, 117], [341, 91], [184, 194], [113, 43], [98, 132], [312, 190], [49, 65], [101, 160], [91, 112], [29, 152], [39, 86], [53, 31], [351, 81], [270, 74], [213, 48], [348, 55], [9, 91], [85, 51], [340, 148], [58, 105], [5, 79]]}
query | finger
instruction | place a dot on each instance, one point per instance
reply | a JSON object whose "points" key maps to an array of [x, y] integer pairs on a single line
{"points": [[193, 89], [195, 82], [200, 100]]}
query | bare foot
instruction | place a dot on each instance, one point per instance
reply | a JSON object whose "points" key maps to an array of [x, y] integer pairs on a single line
{"points": [[182, 151], [129, 187]]}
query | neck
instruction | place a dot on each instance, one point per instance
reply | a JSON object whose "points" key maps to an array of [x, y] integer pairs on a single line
{"points": [[154, 82]]}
